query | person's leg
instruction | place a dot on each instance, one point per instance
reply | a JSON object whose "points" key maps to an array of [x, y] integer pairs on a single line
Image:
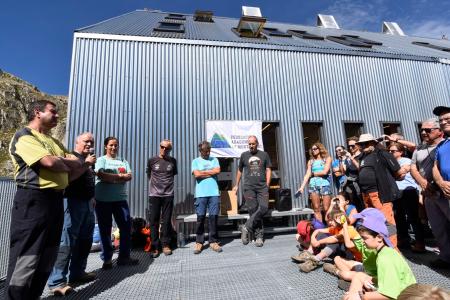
{"points": [[262, 197], [345, 268], [252, 206], [166, 224], [58, 277], [413, 217], [200, 210], [84, 221], [439, 216], [103, 211], [400, 210], [154, 207], [213, 209], [121, 213], [386, 209], [315, 202], [325, 191]]}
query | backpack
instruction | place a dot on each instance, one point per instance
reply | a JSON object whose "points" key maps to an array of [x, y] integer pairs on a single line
{"points": [[139, 235], [304, 230]]}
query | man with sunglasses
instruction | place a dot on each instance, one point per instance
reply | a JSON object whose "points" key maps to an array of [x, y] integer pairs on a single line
{"points": [[439, 206], [161, 170], [351, 189]]}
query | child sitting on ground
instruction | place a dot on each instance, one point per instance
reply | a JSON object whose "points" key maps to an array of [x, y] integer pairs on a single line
{"points": [[330, 238], [393, 272], [339, 202]]}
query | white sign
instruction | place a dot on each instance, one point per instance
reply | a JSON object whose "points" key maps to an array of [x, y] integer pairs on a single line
{"points": [[230, 138]]}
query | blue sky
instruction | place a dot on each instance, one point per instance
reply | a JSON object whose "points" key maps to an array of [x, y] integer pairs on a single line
{"points": [[36, 36]]}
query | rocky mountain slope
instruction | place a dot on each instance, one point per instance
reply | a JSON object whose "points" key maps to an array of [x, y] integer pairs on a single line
{"points": [[15, 96]]}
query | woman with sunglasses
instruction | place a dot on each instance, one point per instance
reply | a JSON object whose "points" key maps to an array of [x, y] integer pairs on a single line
{"points": [[406, 207], [317, 176], [111, 197], [338, 168]]}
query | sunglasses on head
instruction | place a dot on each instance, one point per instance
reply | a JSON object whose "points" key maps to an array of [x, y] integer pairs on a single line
{"points": [[427, 130]]}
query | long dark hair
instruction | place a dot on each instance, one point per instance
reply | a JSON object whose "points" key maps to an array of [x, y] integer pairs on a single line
{"points": [[106, 141]]}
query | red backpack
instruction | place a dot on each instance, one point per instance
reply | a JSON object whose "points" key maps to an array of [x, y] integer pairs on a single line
{"points": [[304, 230]]}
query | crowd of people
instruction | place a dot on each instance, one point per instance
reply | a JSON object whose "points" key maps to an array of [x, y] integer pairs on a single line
{"points": [[384, 187], [61, 194]]}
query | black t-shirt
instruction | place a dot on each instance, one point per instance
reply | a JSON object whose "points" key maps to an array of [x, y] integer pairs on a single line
{"points": [[82, 188], [383, 166], [254, 169], [161, 172]]}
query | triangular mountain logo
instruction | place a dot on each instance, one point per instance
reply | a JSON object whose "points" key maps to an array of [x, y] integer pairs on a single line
{"points": [[219, 141]]}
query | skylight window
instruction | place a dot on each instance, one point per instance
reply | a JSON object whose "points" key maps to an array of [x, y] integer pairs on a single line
{"points": [[176, 17], [305, 35], [353, 41], [251, 23], [432, 46], [203, 16], [275, 32], [170, 27]]}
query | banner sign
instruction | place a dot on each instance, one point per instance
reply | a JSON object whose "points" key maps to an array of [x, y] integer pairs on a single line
{"points": [[230, 138]]}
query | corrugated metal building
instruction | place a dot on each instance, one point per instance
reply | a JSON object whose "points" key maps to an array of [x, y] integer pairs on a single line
{"points": [[142, 85]]}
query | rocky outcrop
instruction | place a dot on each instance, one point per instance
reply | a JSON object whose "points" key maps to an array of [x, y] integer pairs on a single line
{"points": [[15, 96]]}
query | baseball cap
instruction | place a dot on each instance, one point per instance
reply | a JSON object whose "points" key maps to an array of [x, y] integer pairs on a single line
{"points": [[439, 110], [373, 219]]}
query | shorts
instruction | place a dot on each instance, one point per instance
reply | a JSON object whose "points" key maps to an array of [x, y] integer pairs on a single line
{"points": [[321, 190]]}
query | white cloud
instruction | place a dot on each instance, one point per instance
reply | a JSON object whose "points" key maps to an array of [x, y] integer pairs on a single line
{"points": [[429, 28]]}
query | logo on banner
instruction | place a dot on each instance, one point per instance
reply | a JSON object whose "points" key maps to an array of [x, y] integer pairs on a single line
{"points": [[219, 141]]}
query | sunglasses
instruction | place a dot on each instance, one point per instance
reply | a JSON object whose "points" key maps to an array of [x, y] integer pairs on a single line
{"points": [[427, 130], [314, 149], [351, 146], [164, 147], [393, 151]]}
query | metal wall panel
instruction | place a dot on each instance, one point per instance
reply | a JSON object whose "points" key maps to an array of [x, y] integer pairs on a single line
{"points": [[7, 192], [143, 92]]}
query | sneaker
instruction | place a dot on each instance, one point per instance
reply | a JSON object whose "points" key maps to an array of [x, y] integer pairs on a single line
{"points": [[107, 265], [85, 278], [167, 251], [302, 256], [127, 261], [215, 247], [439, 264], [61, 290], [309, 265], [155, 253], [198, 248], [330, 268], [344, 285], [244, 235], [259, 242]]}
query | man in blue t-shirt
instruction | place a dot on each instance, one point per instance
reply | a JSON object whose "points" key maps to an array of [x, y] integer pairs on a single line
{"points": [[441, 175], [205, 169]]}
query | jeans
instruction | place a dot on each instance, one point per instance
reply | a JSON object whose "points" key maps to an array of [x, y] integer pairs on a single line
{"points": [[212, 204], [121, 213], [407, 212], [438, 211], [76, 241], [160, 206], [257, 202]]}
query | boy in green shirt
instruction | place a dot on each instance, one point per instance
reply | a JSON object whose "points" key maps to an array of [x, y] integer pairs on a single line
{"points": [[393, 272]]}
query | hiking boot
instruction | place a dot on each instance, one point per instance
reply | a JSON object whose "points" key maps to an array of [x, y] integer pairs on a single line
{"points": [[302, 256], [61, 290], [155, 253], [85, 278], [309, 265], [127, 261], [330, 268], [344, 285], [259, 242], [107, 265], [215, 247], [244, 235], [198, 248], [167, 251]]}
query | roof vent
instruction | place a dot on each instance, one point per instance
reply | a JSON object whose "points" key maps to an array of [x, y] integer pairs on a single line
{"points": [[251, 23], [203, 16], [327, 21], [392, 28]]}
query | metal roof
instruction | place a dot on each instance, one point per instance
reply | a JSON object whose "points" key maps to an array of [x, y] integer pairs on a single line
{"points": [[140, 23]]}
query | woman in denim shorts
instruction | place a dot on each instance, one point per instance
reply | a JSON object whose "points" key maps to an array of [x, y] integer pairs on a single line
{"points": [[317, 175]]}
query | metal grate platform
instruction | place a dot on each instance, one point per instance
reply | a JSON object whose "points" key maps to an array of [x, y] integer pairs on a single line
{"points": [[239, 272]]}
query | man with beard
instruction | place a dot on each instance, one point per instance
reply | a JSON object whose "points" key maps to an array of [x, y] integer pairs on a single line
{"points": [[42, 167], [440, 206], [256, 166]]}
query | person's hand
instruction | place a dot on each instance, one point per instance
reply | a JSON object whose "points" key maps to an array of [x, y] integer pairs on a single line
{"points": [[368, 285], [423, 184], [235, 189], [300, 190], [388, 138], [445, 187], [90, 159]]}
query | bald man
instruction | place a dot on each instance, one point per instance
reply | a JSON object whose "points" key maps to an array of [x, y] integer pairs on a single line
{"points": [[79, 221]]}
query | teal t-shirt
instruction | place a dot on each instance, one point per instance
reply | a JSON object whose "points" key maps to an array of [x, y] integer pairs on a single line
{"points": [[369, 257], [206, 187], [110, 192], [394, 274]]}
